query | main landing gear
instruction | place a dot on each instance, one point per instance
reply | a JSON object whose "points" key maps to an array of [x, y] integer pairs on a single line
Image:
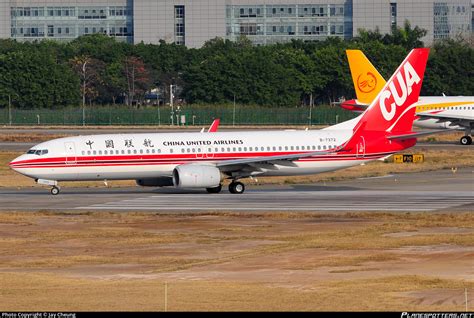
{"points": [[236, 187], [215, 190]]}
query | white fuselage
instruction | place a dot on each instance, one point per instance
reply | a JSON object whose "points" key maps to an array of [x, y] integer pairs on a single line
{"points": [[135, 156], [459, 107]]}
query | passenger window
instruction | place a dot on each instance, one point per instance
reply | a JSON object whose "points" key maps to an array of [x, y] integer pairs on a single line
{"points": [[245, 148], [251, 149], [210, 149], [100, 152], [279, 148], [83, 152], [94, 152], [223, 149], [182, 150], [228, 149], [319, 147], [274, 148], [216, 150], [240, 149], [234, 149], [262, 149], [171, 150], [302, 147], [189, 150], [268, 148], [135, 151], [123, 152], [105, 152], [129, 151], [286, 147], [297, 147], [88, 152], [314, 147], [324, 147]]}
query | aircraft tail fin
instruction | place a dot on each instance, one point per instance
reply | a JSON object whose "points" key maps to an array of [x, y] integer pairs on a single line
{"points": [[392, 112], [367, 80]]}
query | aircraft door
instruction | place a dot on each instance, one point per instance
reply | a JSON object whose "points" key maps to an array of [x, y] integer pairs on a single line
{"points": [[360, 151], [199, 152], [70, 153]]}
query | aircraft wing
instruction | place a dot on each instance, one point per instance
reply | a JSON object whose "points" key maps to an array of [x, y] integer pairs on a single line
{"points": [[454, 119], [254, 166]]}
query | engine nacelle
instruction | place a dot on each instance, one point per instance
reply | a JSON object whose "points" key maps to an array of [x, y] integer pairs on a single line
{"points": [[156, 182], [196, 176]]}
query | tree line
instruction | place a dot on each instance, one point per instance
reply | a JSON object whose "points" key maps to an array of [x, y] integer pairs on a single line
{"points": [[97, 70]]}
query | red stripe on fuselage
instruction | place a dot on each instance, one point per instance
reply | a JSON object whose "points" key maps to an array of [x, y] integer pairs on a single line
{"points": [[170, 159]]}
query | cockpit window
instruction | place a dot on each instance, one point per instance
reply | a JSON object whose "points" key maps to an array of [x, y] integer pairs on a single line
{"points": [[37, 152]]}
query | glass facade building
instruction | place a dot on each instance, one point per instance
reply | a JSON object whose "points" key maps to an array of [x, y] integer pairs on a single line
{"points": [[272, 23], [193, 22], [32, 20]]}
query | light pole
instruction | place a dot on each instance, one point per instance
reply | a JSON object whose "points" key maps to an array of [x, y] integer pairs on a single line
{"points": [[84, 93], [158, 106], [233, 114], [171, 104], [10, 110]]}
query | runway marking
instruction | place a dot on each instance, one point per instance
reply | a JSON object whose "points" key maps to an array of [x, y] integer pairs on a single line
{"points": [[289, 201]]}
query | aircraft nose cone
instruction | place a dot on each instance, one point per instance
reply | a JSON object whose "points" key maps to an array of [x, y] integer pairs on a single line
{"points": [[14, 163]]}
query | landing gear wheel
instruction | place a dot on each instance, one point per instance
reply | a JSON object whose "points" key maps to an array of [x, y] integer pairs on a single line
{"points": [[236, 188], [54, 190], [466, 140], [215, 190]]}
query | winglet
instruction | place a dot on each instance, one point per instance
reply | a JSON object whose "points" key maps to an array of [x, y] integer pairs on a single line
{"points": [[215, 125]]}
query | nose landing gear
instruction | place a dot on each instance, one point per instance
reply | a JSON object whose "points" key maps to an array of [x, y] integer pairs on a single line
{"points": [[466, 140], [54, 184], [55, 190]]}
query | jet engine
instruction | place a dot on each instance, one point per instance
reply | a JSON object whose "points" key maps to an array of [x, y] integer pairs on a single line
{"points": [[196, 176]]}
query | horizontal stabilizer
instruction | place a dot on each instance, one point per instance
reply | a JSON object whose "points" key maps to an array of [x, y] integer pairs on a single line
{"points": [[417, 134]]}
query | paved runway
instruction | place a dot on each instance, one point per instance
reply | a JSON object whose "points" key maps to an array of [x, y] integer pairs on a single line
{"points": [[429, 191]]}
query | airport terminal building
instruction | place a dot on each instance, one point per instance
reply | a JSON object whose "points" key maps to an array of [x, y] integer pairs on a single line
{"points": [[193, 22]]}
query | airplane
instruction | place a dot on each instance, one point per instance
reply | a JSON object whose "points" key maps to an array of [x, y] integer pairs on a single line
{"points": [[197, 160], [441, 112]]}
